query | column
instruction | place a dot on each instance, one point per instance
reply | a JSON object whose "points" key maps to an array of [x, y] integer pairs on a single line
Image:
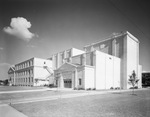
{"points": [[61, 81], [92, 48], [114, 47], [53, 61], [73, 79], [83, 59], [58, 65], [14, 78], [76, 78]]}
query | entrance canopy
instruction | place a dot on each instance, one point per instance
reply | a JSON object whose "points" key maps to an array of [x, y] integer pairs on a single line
{"points": [[67, 67]]}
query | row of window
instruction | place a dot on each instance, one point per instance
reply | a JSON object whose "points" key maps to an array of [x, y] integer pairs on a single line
{"points": [[24, 65], [24, 80], [69, 81], [26, 72]]}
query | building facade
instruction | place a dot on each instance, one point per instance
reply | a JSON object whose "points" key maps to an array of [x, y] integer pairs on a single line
{"points": [[31, 72], [102, 65]]}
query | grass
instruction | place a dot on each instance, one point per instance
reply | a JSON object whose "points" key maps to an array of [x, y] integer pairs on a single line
{"points": [[27, 95], [104, 105]]}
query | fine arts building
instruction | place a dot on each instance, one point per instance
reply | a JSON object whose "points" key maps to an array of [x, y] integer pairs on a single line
{"points": [[100, 65]]}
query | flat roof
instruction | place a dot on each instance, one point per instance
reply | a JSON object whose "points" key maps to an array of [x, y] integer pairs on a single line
{"points": [[114, 36]]}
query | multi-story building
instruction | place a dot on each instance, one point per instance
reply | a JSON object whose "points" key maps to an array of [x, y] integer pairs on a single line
{"points": [[32, 72], [101, 65]]}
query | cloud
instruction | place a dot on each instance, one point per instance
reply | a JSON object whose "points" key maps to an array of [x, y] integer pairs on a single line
{"points": [[19, 27]]}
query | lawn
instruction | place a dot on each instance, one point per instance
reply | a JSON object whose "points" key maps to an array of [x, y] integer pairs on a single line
{"points": [[103, 105], [36, 94]]}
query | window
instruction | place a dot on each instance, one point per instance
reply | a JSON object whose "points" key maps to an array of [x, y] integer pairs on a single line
{"points": [[32, 79], [31, 71], [80, 81], [29, 64]]}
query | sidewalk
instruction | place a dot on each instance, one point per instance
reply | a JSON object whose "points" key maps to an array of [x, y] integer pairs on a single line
{"points": [[8, 111]]}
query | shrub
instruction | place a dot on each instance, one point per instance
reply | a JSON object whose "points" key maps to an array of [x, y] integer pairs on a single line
{"points": [[93, 88], [88, 89], [80, 88], [117, 88]]}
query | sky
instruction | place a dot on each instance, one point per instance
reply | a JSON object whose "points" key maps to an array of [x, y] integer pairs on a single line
{"points": [[40, 28]]}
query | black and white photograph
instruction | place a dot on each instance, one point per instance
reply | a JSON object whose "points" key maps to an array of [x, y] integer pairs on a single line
{"points": [[74, 58]]}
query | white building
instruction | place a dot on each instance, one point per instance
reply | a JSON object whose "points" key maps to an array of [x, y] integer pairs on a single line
{"points": [[101, 65], [32, 72]]}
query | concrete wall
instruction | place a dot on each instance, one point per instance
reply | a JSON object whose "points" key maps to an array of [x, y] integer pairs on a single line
{"points": [[132, 58], [77, 59], [42, 62], [107, 71], [59, 58], [77, 52], [116, 72], [140, 76], [89, 77], [40, 72], [81, 76], [126, 47], [100, 70]]}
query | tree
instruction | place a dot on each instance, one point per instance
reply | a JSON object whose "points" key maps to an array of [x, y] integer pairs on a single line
{"points": [[133, 81], [6, 82]]}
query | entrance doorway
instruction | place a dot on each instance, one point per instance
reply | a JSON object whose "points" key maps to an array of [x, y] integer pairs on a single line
{"points": [[67, 83]]}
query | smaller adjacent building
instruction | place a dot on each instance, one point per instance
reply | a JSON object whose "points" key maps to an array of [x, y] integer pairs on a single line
{"points": [[32, 72], [146, 78]]}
